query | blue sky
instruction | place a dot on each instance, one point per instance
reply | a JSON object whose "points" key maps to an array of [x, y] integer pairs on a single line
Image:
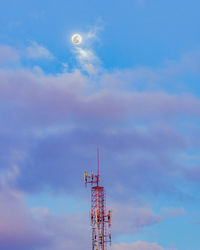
{"points": [[132, 87]]}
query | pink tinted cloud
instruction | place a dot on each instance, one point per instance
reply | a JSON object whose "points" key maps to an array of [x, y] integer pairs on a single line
{"points": [[62, 153], [18, 229], [26, 228], [70, 95], [67, 230], [35, 102], [8, 54]]}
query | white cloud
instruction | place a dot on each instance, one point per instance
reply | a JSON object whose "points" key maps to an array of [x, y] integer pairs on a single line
{"points": [[87, 60], [36, 51]]}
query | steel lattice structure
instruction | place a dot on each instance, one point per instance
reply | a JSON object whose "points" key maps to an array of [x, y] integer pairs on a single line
{"points": [[100, 219]]}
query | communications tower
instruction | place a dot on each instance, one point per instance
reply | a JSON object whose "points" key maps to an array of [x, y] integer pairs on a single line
{"points": [[100, 219]]}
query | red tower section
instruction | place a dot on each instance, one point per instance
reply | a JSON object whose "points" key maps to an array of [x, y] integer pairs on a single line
{"points": [[100, 219]]}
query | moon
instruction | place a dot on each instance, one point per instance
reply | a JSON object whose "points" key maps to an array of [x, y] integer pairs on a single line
{"points": [[76, 39]]}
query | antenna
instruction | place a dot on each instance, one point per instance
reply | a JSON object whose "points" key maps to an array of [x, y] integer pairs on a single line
{"points": [[98, 166], [100, 219]]}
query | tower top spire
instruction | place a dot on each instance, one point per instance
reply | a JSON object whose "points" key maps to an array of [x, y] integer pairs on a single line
{"points": [[98, 166]]}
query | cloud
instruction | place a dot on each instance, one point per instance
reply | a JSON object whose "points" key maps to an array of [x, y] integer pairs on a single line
{"points": [[85, 55], [172, 212], [54, 122], [172, 248], [132, 218], [67, 231], [37, 228], [31, 228], [192, 173], [59, 151], [87, 60], [187, 64], [36, 51], [8, 54], [18, 229], [138, 245], [50, 127], [169, 77], [53, 97]]}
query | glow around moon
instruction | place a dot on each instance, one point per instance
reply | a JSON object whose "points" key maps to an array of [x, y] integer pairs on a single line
{"points": [[76, 39]]}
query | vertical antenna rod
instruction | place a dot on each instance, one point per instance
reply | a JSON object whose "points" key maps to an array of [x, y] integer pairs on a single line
{"points": [[100, 219], [98, 166]]}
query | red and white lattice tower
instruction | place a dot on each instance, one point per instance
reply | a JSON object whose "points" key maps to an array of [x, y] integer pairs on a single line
{"points": [[100, 219]]}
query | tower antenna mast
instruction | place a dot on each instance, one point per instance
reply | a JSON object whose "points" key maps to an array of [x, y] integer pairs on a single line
{"points": [[100, 219]]}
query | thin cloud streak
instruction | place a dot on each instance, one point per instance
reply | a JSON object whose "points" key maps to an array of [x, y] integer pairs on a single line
{"points": [[37, 51], [86, 57]]}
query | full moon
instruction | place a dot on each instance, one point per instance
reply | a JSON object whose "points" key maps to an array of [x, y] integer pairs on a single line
{"points": [[76, 39]]}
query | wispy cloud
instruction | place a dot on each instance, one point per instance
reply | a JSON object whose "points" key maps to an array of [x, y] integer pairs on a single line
{"points": [[85, 55], [87, 60], [37, 51]]}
